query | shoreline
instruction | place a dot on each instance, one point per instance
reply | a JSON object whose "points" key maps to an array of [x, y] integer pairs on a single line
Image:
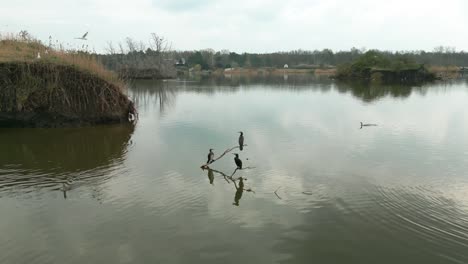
{"points": [[441, 72]]}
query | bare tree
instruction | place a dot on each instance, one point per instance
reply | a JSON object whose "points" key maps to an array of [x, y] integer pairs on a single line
{"points": [[121, 48], [131, 44], [141, 46], [159, 43], [162, 47], [110, 48]]}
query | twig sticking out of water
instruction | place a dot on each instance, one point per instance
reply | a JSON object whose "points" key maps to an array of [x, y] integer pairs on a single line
{"points": [[230, 178], [205, 166], [226, 177], [277, 193]]}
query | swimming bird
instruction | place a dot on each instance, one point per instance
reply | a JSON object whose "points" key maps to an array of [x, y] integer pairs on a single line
{"points": [[83, 37], [66, 186], [241, 140], [238, 161], [210, 157], [363, 125]]}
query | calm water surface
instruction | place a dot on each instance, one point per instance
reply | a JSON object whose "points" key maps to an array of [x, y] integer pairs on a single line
{"points": [[394, 193]]}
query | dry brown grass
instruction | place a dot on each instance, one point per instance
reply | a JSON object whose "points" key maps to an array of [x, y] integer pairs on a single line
{"points": [[327, 72], [439, 69], [15, 49], [277, 71]]}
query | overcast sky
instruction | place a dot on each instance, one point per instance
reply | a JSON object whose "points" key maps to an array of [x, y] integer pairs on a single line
{"points": [[247, 25]]}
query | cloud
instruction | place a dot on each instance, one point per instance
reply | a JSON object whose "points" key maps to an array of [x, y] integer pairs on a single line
{"points": [[181, 5], [249, 25]]}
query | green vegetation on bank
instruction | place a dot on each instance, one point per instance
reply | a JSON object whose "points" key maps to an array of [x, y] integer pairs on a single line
{"points": [[376, 66], [303, 59]]}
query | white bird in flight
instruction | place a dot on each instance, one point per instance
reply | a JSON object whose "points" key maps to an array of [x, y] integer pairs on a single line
{"points": [[83, 37]]}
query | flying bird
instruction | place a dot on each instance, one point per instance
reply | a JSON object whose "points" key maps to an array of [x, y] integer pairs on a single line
{"points": [[210, 157], [365, 125], [83, 37], [238, 161], [241, 141]]}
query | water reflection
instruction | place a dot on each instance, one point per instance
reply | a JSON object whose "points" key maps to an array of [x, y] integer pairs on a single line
{"points": [[211, 176], [326, 191], [60, 159], [238, 183], [239, 191], [375, 224], [148, 93]]}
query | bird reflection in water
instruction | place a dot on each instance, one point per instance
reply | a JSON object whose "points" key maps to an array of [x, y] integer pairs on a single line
{"points": [[241, 140], [239, 191], [211, 176]]}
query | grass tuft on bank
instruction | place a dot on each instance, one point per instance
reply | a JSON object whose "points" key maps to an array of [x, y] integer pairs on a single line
{"points": [[45, 86], [14, 48]]}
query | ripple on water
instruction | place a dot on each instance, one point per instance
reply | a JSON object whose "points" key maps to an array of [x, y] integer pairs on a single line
{"points": [[424, 214], [164, 194], [16, 180]]}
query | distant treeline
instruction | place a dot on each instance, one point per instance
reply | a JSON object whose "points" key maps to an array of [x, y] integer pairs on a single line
{"points": [[158, 55], [210, 59]]}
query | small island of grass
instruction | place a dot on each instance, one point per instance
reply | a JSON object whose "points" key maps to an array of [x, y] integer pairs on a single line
{"points": [[45, 87], [374, 66]]}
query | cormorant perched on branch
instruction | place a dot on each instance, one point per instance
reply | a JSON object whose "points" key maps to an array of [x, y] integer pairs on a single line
{"points": [[241, 140], [210, 157], [238, 161]]}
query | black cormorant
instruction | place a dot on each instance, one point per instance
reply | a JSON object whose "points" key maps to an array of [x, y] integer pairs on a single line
{"points": [[241, 140], [238, 161], [210, 157]]}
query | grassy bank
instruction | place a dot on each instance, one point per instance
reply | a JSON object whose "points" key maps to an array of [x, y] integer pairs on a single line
{"points": [[41, 86], [16, 49]]}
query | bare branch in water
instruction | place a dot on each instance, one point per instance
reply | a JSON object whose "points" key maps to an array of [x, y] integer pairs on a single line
{"points": [[205, 166], [230, 178], [277, 194], [222, 173], [226, 177]]}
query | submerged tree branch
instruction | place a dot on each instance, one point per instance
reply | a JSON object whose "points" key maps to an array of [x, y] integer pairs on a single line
{"points": [[205, 166], [226, 177], [277, 194]]}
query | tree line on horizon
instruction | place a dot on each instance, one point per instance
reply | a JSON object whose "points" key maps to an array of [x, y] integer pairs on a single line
{"points": [[158, 54]]}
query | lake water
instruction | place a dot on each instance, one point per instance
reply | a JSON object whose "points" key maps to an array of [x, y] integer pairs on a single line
{"points": [[318, 189]]}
